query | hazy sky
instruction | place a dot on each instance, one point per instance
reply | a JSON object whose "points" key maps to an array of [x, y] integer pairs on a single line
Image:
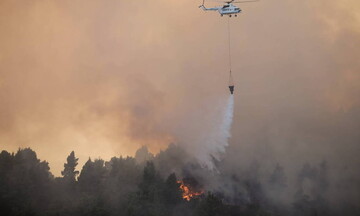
{"points": [[103, 78]]}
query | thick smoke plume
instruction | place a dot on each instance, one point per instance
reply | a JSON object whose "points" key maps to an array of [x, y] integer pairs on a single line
{"points": [[103, 80]]}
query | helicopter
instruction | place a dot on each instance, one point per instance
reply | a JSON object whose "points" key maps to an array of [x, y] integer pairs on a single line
{"points": [[228, 9]]}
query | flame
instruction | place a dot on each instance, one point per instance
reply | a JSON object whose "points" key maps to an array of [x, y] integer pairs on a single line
{"points": [[187, 192]]}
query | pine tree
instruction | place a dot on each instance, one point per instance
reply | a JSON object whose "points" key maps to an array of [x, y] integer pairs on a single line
{"points": [[173, 193], [69, 173]]}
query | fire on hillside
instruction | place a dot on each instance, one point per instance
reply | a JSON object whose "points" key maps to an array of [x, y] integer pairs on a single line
{"points": [[189, 191]]}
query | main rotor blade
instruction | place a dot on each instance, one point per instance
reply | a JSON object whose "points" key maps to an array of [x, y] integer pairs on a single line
{"points": [[245, 1], [217, 1], [233, 1], [222, 1]]}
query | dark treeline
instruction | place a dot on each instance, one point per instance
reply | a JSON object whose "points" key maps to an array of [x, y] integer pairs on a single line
{"points": [[148, 185], [120, 186]]}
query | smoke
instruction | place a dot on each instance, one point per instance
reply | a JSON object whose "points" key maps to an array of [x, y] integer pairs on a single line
{"points": [[82, 76]]}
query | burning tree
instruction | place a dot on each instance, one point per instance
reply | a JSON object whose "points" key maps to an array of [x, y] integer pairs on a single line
{"points": [[190, 189]]}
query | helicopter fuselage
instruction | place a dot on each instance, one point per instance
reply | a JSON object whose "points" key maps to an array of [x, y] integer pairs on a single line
{"points": [[228, 9]]}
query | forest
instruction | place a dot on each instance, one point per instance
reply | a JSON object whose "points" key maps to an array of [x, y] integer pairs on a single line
{"points": [[169, 183]]}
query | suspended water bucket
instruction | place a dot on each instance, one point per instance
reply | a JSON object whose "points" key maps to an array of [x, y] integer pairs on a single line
{"points": [[231, 84]]}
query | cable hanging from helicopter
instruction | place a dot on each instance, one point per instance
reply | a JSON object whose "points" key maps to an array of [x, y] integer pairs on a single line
{"points": [[228, 9], [231, 82]]}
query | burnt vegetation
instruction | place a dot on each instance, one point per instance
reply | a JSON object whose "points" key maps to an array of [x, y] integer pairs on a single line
{"points": [[149, 185]]}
